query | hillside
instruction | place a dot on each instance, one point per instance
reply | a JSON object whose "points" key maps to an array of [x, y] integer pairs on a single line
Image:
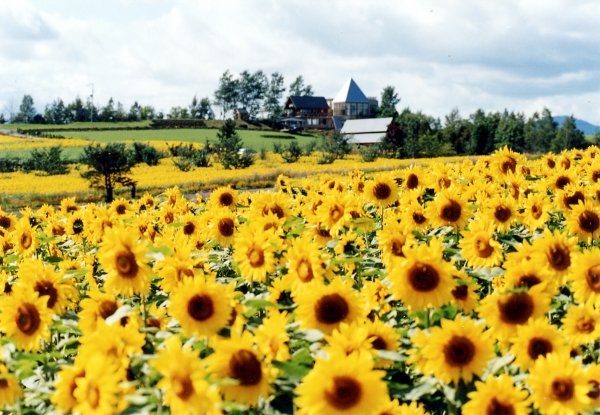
{"points": [[586, 127]]}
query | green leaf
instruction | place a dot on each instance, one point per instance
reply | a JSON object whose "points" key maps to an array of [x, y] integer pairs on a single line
{"points": [[258, 303], [293, 370]]}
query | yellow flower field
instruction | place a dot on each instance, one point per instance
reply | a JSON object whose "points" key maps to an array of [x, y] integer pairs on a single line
{"points": [[470, 287]]}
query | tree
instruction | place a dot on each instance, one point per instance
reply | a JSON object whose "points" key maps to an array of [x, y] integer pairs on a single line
{"points": [[56, 112], [510, 131], [108, 166], [107, 113], [230, 148], [76, 111], [252, 89], [334, 147], [272, 103], [389, 100], [540, 132], [201, 109], [568, 137], [297, 87], [26, 110], [456, 131], [135, 112], [482, 132], [2, 119], [178, 113], [227, 94]]}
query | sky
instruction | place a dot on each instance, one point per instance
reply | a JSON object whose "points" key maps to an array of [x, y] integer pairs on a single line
{"points": [[441, 55]]}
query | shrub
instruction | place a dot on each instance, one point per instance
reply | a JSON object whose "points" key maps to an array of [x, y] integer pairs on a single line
{"points": [[9, 164], [310, 147], [230, 150], [145, 153], [48, 160], [292, 152], [368, 153]]}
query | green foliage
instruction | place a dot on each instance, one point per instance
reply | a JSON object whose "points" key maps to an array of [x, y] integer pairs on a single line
{"points": [[145, 153], [540, 132], [292, 152], [310, 147], [369, 154], [568, 137], [108, 166], [185, 157], [510, 131], [483, 131], [230, 148], [48, 160], [334, 147], [9, 164], [389, 100]]}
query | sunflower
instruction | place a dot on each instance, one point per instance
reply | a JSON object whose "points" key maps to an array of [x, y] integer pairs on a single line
{"points": [[500, 211], [123, 258], [26, 318], [202, 306], [457, 350], [555, 251], [305, 263], [334, 213], [414, 216], [505, 160], [383, 337], [534, 340], [592, 374], [7, 222], [24, 240], [583, 220], [76, 225], [342, 385], [561, 179], [423, 279], [223, 226], [65, 385], [528, 274], [448, 209], [325, 307], [223, 197], [98, 221], [348, 339], [96, 391], [559, 385], [349, 245], [585, 277], [272, 337], [253, 253], [504, 312], [239, 359], [10, 390], [60, 292], [464, 293], [265, 202], [183, 380], [391, 241], [174, 268], [581, 324], [536, 211], [479, 247], [96, 309], [414, 178], [495, 396], [382, 190]]}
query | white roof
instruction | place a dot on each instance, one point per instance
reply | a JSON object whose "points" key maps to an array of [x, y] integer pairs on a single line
{"points": [[366, 125], [368, 138], [350, 92]]}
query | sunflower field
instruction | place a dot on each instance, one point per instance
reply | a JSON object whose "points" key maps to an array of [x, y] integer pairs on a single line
{"points": [[470, 287]]}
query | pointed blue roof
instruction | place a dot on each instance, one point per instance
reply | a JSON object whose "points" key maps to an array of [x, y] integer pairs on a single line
{"points": [[350, 92]]}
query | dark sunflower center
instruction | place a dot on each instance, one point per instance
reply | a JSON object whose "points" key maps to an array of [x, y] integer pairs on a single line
{"points": [[5, 222], [169, 217], [444, 182], [563, 389], [423, 277], [331, 309], [510, 164], [3, 383], [77, 226], [304, 270], [495, 407], [47, 288], [502, 213], [538, 346], [459, 351], [483, 247], [107, 308], [418, 218], [256, 256], [379, 343], [226, 227], [28, 318], [460, 292], [126, 264], [58, 230], [336, 212], [595, 176], [184, 388], [121, 209], [397, 247], [245, 367], [344, 393], [275, 209], [573, 199], [451, 211], [585, 325], [550, 163], [412, 181], [562, 181], [594, 392], [528, 281], [536, 211], [559, 257], [226, 199], [200, 307], [189, 228], [589, 221], [565, 163], [382, 191], [516, 309]]}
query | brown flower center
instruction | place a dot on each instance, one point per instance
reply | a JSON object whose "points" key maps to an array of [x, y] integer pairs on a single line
{"points": [[538, 346], [3, 384], [77, 226], [423, 277], [460, 292], [594, 392], [336, 212], [344, 393], [483, 247], [189, 228], [585, 325], [588, 221], [382, 191], [226, 227], [5, 222], [331, 309], [93, 395], [412, 181], [516, 309], [528, 281], [121, 209], [563, 389], [536, 211], [459, 351], [58, 230], [451, 211], [107, 308], [509, 164], [304, 270], [559, 257], [275, 209], [183, 388], [28, 318], [550, 163], [573, 199], [26, 240], [126, 264], [379, 343], [226, 199], [562, 181], [495, 407], [200, 307], [502, 213], [397, 245], [256, 256], [595, 176], [418, 218], [245, 367], [47, 288]]}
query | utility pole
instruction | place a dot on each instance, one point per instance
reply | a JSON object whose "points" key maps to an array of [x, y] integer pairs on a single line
{"points": [[92, 103]]}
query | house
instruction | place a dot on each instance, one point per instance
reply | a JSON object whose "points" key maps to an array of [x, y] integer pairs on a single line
{"points": [[307, 112], [351, 103], [366, 131]]}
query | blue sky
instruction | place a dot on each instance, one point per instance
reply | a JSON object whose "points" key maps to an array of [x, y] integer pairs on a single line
{"points": [[439, 55]]}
